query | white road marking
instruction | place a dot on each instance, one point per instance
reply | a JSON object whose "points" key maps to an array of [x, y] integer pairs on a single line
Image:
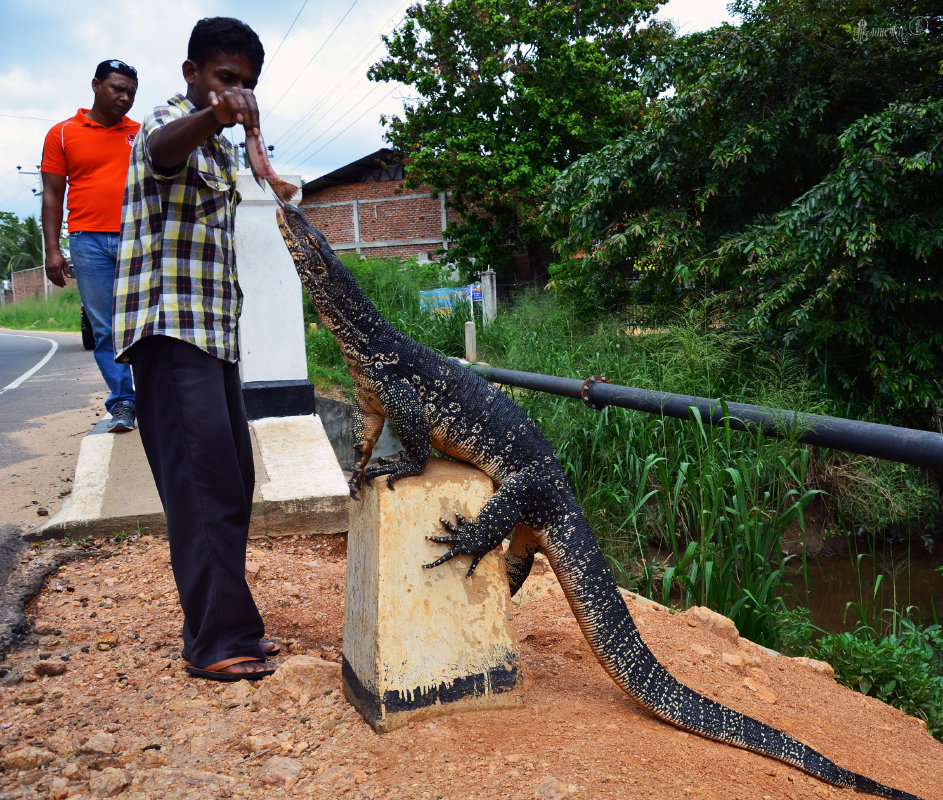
{"points": [[53, 346]]}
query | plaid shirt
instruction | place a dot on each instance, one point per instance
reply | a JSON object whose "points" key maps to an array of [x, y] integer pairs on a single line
{"points": [[176, 273]]}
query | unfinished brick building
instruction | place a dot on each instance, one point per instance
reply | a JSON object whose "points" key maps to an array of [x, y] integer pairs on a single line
{"points": [[363, 207]]}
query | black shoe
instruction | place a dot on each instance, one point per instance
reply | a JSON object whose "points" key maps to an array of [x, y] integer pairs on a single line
{"points": [[122, 418]]}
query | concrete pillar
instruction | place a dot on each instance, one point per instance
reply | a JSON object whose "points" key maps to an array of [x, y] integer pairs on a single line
{"points": [[444, 214], [423, 642], [356, 213], [471, 342], [273, 364], [489, 296]]}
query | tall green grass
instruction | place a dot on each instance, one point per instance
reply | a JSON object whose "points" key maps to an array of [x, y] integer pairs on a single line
{"points": [[394, 287], [724, 518], [60, 312]]}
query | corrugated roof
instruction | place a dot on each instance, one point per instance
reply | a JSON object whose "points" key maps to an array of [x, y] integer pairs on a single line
{"points": [[353, 172]]}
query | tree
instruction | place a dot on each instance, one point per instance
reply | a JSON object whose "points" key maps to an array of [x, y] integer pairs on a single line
{"points": [[793, 175], [21, 244], [509, 92]]}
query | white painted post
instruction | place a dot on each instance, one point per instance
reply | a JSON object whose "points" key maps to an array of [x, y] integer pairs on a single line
{"points": [[444, 220], [418, 642], [356, 213], [271, 328], [273, 362], [471, 345], [489, 296]]}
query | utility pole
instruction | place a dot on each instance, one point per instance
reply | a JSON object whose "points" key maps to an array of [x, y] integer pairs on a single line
{"points": [[36, 192], [245, 153], [47, 284]]}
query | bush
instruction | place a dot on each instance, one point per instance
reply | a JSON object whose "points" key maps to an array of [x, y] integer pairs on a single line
{"points": [[876, 495], [904, 670], [796, 631]]}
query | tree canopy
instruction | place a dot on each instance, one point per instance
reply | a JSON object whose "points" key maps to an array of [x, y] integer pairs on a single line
{"points": [[21, 243], [509, 93], [792, 173]]}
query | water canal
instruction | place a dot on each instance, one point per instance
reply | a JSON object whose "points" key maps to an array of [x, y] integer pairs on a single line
{"points": [[866, 580]]}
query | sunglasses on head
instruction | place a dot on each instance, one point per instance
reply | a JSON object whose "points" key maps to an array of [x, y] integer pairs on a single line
{"points": [[116, 64]]}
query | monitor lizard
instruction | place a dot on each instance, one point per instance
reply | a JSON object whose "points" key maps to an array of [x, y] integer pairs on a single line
{"points": [[435, 403]]}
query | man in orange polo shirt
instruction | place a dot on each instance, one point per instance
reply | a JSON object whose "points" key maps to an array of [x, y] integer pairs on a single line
{"points": [[89, 153]]}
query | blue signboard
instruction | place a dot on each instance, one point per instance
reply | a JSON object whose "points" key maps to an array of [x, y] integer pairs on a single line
{"points": [[442, 301]]}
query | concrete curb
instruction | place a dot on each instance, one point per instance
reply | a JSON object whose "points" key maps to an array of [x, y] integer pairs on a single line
{"points": [[300, 488]]}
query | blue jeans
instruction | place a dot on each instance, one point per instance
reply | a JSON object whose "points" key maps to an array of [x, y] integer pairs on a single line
{"points": [[94, 258]]}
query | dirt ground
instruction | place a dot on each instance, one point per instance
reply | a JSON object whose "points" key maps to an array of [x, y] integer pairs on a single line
{"points": [[96, 703]]}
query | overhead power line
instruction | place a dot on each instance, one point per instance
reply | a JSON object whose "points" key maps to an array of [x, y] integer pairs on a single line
{"points": [[302, 148], [21, 116], [291, 139], [293, 143], [272, 59], [295, 130], [347, 127], [316, 52]]}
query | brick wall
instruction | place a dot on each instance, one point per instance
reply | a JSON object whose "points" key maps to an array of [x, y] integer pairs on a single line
{"points": [[379, 219], [30, 283]]}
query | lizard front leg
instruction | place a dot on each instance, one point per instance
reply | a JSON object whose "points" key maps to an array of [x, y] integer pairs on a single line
{"points": [[404, 408], [508, 506], [367, 427]]}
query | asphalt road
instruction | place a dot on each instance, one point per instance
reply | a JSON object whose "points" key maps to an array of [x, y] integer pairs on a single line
{"points": [[20, 354], [41, 373], [62, 383]]}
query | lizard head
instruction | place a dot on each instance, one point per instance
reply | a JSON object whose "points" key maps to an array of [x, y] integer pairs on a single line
{"points": [[343, 306], [305, 244]]}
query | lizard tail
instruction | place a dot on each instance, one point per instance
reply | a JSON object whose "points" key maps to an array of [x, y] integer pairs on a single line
{"points": [[614, 638]]}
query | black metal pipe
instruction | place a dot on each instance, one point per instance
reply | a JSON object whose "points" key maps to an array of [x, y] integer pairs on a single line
{"points": [[922, 448]]}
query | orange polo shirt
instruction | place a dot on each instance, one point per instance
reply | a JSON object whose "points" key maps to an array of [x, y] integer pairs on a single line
{"points": [[94, 161]]}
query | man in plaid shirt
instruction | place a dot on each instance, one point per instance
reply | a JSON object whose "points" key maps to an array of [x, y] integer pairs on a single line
{"points": [[177, 305]]}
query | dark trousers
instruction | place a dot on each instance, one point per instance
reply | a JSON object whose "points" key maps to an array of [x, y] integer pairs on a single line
{"points": [[195, 435]]}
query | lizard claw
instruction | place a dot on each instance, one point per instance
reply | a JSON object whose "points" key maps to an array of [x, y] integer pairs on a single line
{"points": [[464, 538], [474, 563], [455, 551], [441, 559], [454, 528]]}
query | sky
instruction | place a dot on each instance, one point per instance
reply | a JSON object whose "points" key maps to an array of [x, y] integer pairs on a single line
{"points": [[318, 108]]}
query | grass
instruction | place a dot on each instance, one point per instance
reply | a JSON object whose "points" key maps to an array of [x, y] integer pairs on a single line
{"points": [[61, 312], [724, 529]]}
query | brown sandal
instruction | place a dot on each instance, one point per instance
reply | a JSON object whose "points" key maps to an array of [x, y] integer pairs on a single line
{"points": [[216, 672], [269, 648]]}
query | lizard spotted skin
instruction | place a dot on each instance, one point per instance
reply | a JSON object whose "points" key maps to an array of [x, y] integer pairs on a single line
{"points": [[434, 402]]}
